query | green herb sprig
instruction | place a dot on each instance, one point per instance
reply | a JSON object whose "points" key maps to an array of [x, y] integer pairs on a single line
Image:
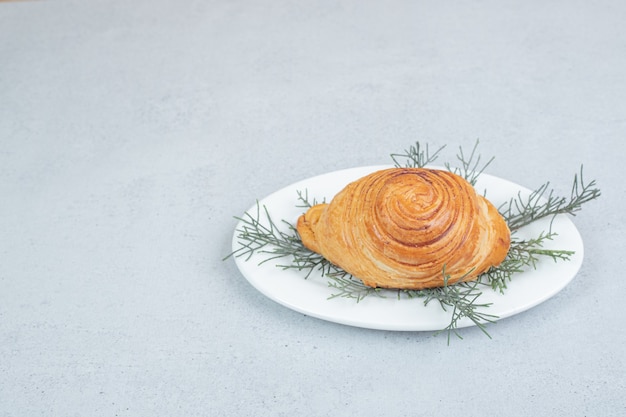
{"points": [[522, 256], [543, 202]]}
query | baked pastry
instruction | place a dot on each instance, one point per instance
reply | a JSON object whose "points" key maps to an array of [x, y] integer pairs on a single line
{"points": [[399, 228]]}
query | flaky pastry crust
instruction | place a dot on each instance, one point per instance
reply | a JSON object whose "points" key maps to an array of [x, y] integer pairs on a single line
{"points": [[399, 228]]}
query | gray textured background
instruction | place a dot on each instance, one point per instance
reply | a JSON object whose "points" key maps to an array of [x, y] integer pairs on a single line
{"points": [[132, 132]]}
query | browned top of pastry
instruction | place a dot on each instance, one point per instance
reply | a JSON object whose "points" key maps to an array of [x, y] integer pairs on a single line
{"points": [[399, 227]]}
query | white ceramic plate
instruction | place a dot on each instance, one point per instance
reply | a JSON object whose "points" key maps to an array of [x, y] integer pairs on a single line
{"points": [[311, 296]]}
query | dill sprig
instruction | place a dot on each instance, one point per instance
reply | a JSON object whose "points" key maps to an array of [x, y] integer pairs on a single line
{"points": [[259, 233], [542, 202], [462, 299], [416, 156], [523, 255], [346, 286], [303, 199], [470, 165]]}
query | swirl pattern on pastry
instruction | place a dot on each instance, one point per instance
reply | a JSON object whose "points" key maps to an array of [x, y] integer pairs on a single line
{"points": [[399, 227]]}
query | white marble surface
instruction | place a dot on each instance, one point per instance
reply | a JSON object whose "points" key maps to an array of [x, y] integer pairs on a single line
{"points": [[131, 133]]}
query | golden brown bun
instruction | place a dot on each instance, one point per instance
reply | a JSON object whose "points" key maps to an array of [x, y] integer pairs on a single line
{"points": [[399, 227]]}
